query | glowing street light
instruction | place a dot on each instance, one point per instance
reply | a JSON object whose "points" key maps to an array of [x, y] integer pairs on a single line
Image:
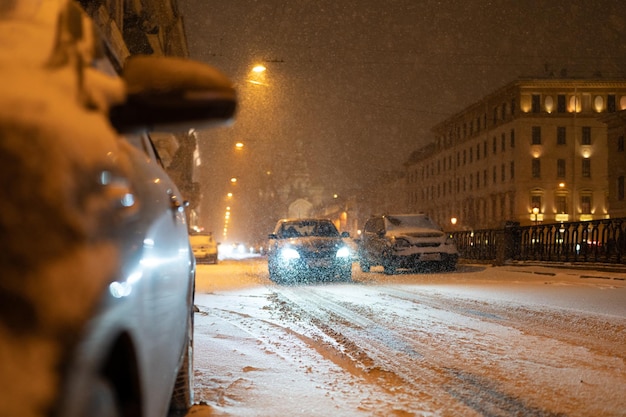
{"points": [[257, 75], [536, 213], [259, 68]]}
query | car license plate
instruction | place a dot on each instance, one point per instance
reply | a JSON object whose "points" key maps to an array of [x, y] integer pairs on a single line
{"points": [[319, 263], [430, 257]]}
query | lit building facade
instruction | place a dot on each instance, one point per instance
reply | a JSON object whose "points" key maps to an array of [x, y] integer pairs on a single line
{"points": [[616, 123], [533, 151]]}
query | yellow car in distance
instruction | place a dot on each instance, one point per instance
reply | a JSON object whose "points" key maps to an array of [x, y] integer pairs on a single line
{"points": [[204, 247]]}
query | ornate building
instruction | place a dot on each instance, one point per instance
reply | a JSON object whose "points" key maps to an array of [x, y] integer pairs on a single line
{"points": [[616, 123], [533, 151]]}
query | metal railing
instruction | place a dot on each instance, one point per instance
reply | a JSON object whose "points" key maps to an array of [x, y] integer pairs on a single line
{"points": [[598, 241]]}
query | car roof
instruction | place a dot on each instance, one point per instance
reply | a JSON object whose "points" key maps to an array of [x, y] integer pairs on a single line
{"points": [[304, 219]]}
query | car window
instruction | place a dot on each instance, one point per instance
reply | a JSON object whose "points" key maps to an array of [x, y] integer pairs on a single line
{"points": [[308, 228]]}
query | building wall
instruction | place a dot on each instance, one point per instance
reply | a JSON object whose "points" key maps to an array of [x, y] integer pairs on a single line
{"points": [[480, 169], [616, 124]]}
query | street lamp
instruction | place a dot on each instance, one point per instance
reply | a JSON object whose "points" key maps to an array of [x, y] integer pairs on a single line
{"points": [[536, 213]]}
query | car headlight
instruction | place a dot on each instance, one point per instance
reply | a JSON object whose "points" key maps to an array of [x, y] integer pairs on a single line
{"points": [[289, 253], [343, 252]]}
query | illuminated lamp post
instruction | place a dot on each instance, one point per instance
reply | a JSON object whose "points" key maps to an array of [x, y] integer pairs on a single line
{"points": [[536, 213]]}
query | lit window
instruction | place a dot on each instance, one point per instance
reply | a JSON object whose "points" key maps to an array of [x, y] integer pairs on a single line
{"points": [[561, 204], [585, 204]]}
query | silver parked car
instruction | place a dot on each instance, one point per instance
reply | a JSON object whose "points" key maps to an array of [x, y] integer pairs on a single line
{"points": [[301, 250], [412, 241], [97, 275]]}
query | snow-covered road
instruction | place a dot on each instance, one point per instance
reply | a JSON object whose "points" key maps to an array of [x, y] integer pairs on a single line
{"points": [[483, 341]]}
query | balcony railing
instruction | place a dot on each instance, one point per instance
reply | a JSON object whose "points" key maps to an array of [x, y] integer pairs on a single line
{"points": [[598, 241]]}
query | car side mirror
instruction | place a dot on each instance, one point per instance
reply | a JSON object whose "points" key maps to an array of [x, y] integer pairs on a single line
{"points": [[345, 234], [272, 236], [172, 94]]}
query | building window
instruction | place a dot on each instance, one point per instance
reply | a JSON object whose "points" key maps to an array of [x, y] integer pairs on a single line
{"points": [[536, 169], [471, 155], [478, 152], [535, 202], [560, 168], [512, 174], [503, 142], [610, 103], [586, 168], [494, 177], [485, 148], [620, 188], [495, 115], [586, 139], [512, 107], [464, 156], [502, 173], [620, 144], [495, 146], [512, 138], [471, 182], [585, 204], [536, 103], [560, 135], [477, 180], [560, 103], [561, 204], [536, 135], [484, 178], [503, 111]]}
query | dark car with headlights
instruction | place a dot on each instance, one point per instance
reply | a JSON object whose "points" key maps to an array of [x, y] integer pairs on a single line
{"points": [[301, 250], [411, 241], [96, 312]]}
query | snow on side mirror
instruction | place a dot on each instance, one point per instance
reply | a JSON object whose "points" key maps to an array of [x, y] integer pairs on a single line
{"points": [[172, 94]]}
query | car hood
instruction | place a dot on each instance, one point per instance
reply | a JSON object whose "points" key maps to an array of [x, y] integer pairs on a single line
{"points": [[414, 233], [313, 243]]}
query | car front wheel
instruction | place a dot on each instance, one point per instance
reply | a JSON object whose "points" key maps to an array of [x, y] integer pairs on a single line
{"points": [[365, 266], [182, 396]]}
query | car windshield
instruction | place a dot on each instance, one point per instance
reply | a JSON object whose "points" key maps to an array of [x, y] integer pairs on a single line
{"points": [[405, 222], [308, 228]]}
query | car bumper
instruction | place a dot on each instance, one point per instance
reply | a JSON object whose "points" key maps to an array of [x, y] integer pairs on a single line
{"points": [[414, 259], [313, 269]]}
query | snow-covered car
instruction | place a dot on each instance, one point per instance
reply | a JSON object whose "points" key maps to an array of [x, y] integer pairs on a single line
{"points": [[301, 250], [204, 247], [97, 275], [410, 241]]}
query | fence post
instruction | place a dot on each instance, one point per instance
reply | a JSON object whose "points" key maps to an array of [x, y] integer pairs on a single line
{"points": [[507, 242]]}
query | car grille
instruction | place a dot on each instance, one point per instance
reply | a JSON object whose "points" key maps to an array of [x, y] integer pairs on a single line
{"points": [[427, 244]]}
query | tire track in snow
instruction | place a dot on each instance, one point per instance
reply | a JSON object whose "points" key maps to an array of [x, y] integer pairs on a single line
{"points": [[374, 346]]}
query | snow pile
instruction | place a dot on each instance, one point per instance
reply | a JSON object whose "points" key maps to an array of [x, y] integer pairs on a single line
{"points": [[56, 251]]}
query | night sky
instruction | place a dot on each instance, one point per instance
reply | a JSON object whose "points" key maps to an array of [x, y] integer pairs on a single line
{"points": [[357, 85]]}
